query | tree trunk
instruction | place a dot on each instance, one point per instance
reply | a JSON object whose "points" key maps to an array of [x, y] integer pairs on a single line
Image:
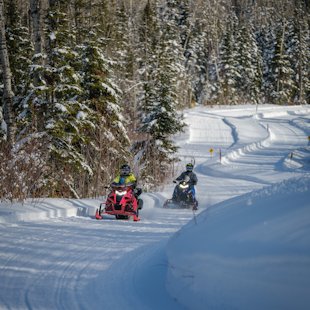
{"points": [[7, 92], [35, 12]]}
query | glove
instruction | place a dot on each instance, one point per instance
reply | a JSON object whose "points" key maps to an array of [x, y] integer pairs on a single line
{"points": [[138, 191]]}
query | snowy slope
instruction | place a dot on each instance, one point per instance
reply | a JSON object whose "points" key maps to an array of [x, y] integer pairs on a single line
{"points": [[247, 247], [250, 252]]}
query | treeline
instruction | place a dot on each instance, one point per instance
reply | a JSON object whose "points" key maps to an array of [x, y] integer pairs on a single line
{"points": [[87, 85]]}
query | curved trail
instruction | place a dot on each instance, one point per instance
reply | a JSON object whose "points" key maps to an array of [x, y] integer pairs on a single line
{"points": [[80, 263]]}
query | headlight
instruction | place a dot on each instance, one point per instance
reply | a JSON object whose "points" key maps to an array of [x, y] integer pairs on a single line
{"points": [[120, 193], [184, 186]]}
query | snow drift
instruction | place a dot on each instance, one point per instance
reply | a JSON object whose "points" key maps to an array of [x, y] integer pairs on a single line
{"points": [[250, 252]]}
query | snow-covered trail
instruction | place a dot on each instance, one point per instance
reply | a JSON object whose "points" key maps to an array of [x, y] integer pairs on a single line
{"points": [[255, 149], [67, 258], [79, 263]]}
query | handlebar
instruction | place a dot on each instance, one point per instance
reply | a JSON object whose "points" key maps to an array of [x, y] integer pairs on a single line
{"points": [[113, 185]]}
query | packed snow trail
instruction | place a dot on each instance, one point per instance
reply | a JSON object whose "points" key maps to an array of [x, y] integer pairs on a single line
{"points": [[76, 262], [56, 262], [255, 148]]}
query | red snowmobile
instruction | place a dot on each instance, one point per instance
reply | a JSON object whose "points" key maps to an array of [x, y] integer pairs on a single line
{"points": [[121, 202]]}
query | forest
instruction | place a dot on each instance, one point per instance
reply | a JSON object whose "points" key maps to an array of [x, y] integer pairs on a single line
{"points": [[87, 85]]}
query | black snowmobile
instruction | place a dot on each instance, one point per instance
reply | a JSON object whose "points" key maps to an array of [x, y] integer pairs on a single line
{"points": [[184, 197]]}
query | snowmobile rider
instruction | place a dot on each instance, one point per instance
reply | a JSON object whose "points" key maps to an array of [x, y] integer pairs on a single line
{"points": [[192, 180], [127, 177]]}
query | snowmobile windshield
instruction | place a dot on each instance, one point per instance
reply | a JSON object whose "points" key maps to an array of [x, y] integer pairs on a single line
{"points": [[121, 186], [186, 179]]}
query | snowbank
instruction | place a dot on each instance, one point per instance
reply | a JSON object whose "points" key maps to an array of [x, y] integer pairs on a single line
{"points": [[47, 208], [250, 252]]}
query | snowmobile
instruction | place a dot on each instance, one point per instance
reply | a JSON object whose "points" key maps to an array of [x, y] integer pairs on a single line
{"points": [[184, 197], [121, 202]]}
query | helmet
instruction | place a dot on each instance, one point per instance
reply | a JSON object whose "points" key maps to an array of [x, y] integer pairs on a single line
{"points": [[189, 167], [125, 170]]}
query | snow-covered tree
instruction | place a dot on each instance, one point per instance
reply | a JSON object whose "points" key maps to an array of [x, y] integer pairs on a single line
{"points": [[161, 119], [20, 49], [51, 106], [229, 73], [102, 71], [109, 146], [201, 47], [211, 23], [180, 20], [101, 14], [249, 63], [298, 49], [125, 54], [282, 87], [266, 49]]}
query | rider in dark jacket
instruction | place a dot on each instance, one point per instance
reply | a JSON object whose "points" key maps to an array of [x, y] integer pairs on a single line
{"points": [[192, 180]]}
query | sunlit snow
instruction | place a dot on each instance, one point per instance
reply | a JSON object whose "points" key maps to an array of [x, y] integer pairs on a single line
{"points": [[247, 247]]}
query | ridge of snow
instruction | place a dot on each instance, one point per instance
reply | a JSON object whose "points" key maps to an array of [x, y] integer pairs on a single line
{"points": [[259, 240]]}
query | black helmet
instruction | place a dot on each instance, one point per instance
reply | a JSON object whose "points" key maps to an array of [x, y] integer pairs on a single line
{"points": [[189, 167], [125, 170]]}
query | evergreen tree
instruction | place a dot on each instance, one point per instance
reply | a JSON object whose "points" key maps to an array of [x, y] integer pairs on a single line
{"points": [[266, 43], [125, 52], [177, 17], [20, 52], [213, 26], [198, 64], [78, 17], [282, 87], [20, 49], [52, 107], [229, 67], [110, 142], [178, 12], [102, 16], [250, 64], [149, 33], [160, 119], [299, 54]]}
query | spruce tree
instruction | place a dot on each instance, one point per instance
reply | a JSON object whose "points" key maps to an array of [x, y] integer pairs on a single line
{"points": [[20, 49], [160, 119], [52, 108], [125, 52], [250, 64], [282, 85], [229, 67], [299, 55], [110, 142], [266, 43]]}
